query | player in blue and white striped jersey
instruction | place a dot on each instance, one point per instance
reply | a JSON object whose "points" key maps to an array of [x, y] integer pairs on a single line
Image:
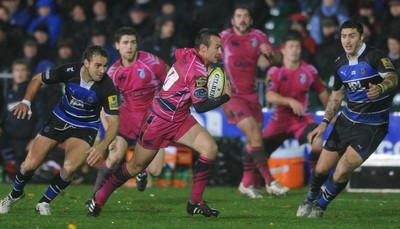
{"points": [[367, 79], [74, 121]]}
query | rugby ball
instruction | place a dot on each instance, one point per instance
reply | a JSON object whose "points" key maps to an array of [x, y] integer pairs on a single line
{"points": [[215, 83]]}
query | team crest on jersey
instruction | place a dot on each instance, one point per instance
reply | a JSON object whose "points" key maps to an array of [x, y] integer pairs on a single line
{"points": [[113, 102], [362, 71], [253, 42], [303, 78], [141, 73], [200, 93], [90, 99], [201, 81], [387, 63]]}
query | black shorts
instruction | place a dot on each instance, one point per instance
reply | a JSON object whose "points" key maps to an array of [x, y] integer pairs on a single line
{"points": [[59, 130], [361, 137]]}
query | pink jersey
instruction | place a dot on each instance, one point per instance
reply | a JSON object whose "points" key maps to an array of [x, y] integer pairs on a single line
{"points": [[139, 82], [240, 55], [295, 84], [185, 85]]}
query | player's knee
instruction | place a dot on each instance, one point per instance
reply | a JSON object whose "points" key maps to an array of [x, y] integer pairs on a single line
{"points": [[155, 172], [68, 170]]}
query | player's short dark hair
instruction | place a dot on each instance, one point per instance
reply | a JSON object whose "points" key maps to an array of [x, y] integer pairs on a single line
{"points": [[242, 7], [352, 24], [94, 50], [126, 30], [204, 37], [292, 35]]}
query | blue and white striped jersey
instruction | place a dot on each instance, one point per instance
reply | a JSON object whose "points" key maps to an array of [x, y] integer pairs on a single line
{"points": [[82, 102]]}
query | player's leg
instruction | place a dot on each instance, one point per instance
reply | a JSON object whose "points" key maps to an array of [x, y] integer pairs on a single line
{"points": [[154, 169], [201, 141], [116, 153], [127, 170], [75, 156], [327, 160], [363, 141], [40, 147]]}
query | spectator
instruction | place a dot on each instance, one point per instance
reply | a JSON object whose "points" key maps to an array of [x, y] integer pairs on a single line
{"points": [[47, 15], [329, 49], [99, 37], [139, 19], [391, 21], [298, 22], [20, 16], [164, 41], [30, 53], [102, 18], [42, 37], [11, 37], [17, 133], [366, 9], [77, 26], [65, 52], [327, 8]]}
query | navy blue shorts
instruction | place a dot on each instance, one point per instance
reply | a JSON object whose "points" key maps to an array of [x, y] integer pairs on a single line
{"points": [[59, 130], [361, 137]]}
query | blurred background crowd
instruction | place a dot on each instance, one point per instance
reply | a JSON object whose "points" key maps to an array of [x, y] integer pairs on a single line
{"points": [[39, 34]]}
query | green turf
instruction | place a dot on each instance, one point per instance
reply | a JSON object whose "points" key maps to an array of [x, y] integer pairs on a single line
{"points": [[166, 208]]}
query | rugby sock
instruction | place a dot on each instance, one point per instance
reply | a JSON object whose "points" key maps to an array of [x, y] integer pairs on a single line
{"points": [[313, 158], [261, 164], [249, 167], [315, 187], [333, 188], [117, 179], [202, 171], [19, 182], [103, 174], [57, 185]]}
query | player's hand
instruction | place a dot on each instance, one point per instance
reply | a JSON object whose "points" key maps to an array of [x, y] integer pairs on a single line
{"points": [[94, 155], [265, 49], [227, 88], [317, 132], [373, 91], [21, 111], [297, 107]]}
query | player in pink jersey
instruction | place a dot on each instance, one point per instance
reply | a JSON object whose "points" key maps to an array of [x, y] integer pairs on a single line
{"points": [[138, 76], [288, 89], [169, 120], [244, 47]]}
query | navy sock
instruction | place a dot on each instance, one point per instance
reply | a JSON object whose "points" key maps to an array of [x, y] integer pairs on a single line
{"points": [[57, 185], [20, 182]]}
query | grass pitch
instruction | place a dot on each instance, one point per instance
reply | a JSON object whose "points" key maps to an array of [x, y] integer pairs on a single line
{"points": [[166, 208]]}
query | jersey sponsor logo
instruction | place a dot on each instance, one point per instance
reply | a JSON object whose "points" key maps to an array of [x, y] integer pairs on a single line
{"points": [[355, 85], [113, 102], [387, 63], [201, 81], [76, 103], [200, 93], [141, 73]]}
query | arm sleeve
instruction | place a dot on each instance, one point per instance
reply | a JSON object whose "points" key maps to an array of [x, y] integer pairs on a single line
{"points": [[210, 104]]}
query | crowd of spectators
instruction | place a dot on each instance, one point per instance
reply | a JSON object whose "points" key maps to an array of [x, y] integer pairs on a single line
{"points": [[48, 33]]}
